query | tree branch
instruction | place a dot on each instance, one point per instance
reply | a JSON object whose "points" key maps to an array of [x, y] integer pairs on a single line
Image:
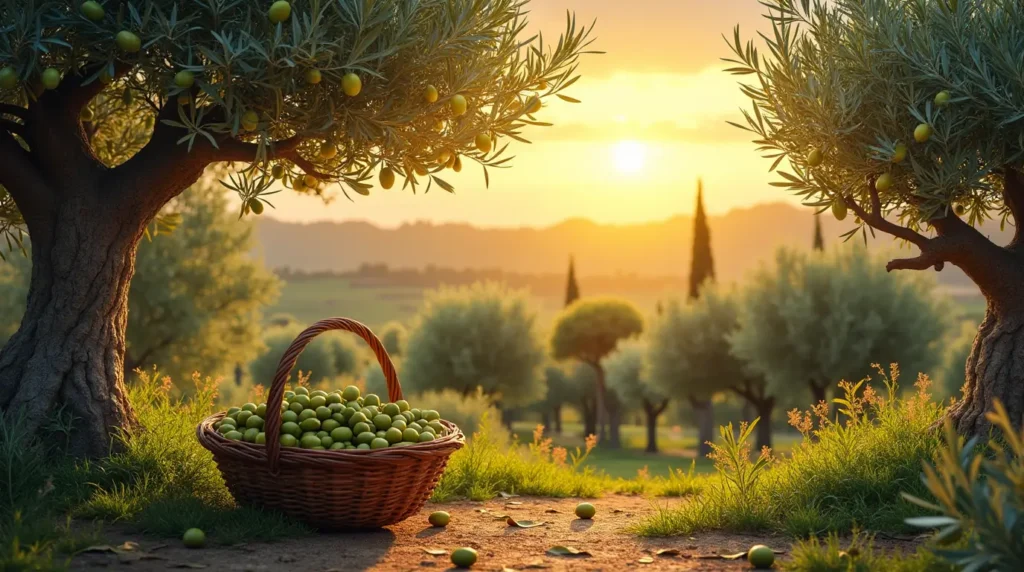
{"points": [[73, 93], [876, 219], [288, 149]]}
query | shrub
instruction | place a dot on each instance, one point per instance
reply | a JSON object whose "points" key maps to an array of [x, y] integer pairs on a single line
{"points": [[981, 492], [847, 472], [327, 356], [471, 412], [859, 555]]}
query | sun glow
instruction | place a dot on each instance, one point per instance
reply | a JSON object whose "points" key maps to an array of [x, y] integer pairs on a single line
{"points": [[629, 156]]}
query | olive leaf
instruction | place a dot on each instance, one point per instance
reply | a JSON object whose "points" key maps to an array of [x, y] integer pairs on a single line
{"points": [[435, 551], [567, 551], [524, 523], [667, 552], [645, 560]]}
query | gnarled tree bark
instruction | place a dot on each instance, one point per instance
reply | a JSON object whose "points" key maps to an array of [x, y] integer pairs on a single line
{"points": [[995, 368]]}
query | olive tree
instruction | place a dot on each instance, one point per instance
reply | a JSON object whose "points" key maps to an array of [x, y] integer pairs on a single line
{"points": [[562, 390], [108, 110], [325, 358], [477, 337], [393, 335], [589, 330], [198, 300], [629, 379], [910, 114], [816, 320], [690, 357]]}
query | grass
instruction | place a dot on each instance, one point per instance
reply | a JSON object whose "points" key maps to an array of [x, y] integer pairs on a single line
{"points": [[847, 473], [162, 482], [859, 555], [491, 464]]}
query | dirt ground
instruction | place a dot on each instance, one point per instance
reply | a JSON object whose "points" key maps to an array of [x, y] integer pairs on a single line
{"points": [[501, 547]]}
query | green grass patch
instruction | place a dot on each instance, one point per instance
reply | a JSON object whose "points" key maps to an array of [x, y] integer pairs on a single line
{"points": [[848, 472], [491, 463]]}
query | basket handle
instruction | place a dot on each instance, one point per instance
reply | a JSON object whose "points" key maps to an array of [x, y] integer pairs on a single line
{"points": [[272, 425]]}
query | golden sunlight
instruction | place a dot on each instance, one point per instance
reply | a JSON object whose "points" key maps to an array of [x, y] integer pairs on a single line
{"points": [[629, 156]]}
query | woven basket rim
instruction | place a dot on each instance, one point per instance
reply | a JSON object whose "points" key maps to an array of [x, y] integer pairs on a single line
{"points": [[220, 445]]}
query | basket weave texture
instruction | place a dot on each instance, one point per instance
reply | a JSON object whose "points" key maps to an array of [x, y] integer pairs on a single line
{"points": [[334, 489]]}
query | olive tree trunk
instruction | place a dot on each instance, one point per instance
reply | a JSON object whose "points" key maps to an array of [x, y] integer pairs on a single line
{"points": [[994, 370], [704, 416], [651, 413], [85, 220]]}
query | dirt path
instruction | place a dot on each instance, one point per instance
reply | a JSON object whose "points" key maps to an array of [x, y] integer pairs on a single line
{"points": [[403, 546]]}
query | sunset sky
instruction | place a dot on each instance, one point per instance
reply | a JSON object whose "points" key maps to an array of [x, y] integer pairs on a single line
{"points": [[651, 121]]}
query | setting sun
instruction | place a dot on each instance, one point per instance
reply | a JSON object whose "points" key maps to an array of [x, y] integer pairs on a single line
{"points": [[629, 156]]}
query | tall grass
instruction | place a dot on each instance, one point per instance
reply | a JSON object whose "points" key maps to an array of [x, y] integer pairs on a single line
{"points": [[858, 555], [848, 472]]}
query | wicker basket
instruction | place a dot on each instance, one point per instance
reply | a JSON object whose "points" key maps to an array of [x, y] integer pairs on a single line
{"points": [[335, 489]]}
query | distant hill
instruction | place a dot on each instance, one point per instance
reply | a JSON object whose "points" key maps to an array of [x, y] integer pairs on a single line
{"points": [[741, 239]]}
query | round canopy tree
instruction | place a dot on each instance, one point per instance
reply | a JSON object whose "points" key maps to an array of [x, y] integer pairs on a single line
{"points": [[481, 337], [589, 330], [690, 357], [813, 321], [108, 110], [911, 115]]}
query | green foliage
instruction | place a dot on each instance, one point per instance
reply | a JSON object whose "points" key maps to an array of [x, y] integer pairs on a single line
{"points": [[393, 335], [243, 63], [561, 387], [847, 472], [327, 356], [858, 555], [627, 375], [689, 350], [952, 375], [591, 329], [980, 493], [853, 79], [827, 317], [483, 336], [196, 301]]}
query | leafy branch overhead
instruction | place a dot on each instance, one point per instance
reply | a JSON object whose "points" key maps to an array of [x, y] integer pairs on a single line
{"points": [[916, 102], [308, 92]]}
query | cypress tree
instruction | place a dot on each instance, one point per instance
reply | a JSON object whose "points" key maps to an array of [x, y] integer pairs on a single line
{"points": [[819, 239], [572, 289], [702, 267]]}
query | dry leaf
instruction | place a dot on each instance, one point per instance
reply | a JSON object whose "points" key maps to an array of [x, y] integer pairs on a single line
{"points": [[667, 552], [435, 551], [553, 511], [736, 556], [98, 548], [567, 551], [506, 495], [524, 523], [513, 503], [645, 560]]}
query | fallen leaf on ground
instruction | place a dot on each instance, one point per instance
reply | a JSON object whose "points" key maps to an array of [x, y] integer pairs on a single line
{"points": [[617, 510], [97, 548], [567, 551], [435, 551], [513, 503], [645, 560], [157, 547], [667, 552], [539, 564], [501, 516], [736, 556], [481, 510], [524, 523], [553, 511], [505, 495], [192, 565], [128, 545]]}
